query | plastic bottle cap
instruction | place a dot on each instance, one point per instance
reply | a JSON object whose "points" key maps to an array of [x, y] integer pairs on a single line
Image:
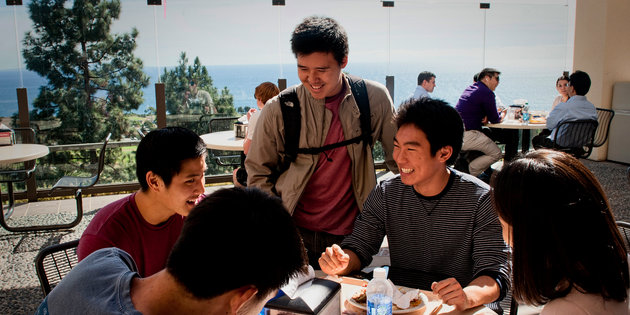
{"points": [[380, 273]]}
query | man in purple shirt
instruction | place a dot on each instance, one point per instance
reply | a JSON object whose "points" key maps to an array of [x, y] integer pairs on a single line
{"points": [[477, 106]]}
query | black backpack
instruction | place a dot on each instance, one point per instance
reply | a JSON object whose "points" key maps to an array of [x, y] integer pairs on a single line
{"points": [[291, 115]]}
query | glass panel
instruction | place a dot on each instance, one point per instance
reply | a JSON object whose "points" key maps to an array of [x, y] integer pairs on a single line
{"points": [[229, 48]]}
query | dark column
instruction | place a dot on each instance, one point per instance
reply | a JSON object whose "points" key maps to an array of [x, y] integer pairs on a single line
{"points": [[282, 84], [389, 83], [25, 121], [160, 105]]}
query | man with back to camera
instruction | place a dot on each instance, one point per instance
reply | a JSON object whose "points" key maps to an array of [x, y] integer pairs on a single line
{"points": [[324, 191], [170, 166], [426, 84], [442, 230], [575, 108], [477, 106], [221, 264]]}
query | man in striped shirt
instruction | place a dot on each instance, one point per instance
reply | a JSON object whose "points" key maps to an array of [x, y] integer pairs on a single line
{"points": [[442, 231]]}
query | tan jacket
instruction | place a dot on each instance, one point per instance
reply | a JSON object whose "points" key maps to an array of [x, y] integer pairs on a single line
{"points": [[265, 154]]}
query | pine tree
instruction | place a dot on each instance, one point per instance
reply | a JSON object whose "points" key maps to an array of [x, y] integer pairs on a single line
{"points": [[177, 82], [93, 76]]}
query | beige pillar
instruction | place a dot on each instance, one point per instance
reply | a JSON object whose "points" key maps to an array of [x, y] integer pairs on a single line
{"points": [[602, 49]]}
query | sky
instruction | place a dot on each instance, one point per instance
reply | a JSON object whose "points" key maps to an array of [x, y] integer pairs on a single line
{"points": [[519, 34]]}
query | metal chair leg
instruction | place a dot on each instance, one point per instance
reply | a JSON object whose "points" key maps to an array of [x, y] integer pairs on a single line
{"points": [[78, 197]]}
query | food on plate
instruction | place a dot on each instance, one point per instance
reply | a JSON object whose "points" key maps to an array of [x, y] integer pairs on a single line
{"points": [[537, 119], [360, 297]]}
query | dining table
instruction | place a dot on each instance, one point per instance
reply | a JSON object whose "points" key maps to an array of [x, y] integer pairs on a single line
{"points": [[223, 140], [513, 127], [10, 154]]}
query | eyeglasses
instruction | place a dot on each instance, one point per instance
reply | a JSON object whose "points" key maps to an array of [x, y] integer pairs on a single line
{"points": [[497, 77], [563, 85]]}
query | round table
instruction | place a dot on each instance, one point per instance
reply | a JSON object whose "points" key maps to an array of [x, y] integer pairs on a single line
{"points": [[21, 152], [515, 126], [223, 140]]}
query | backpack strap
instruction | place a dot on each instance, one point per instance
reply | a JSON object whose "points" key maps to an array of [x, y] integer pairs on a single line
{"points": [[292, 118], [359, 90]]}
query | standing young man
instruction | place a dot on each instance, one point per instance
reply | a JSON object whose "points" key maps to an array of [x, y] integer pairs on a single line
{"points": [[170, 165], [324, 192]]}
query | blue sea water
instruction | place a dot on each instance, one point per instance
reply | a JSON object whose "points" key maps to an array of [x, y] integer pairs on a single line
{"points": [[536, 86]]}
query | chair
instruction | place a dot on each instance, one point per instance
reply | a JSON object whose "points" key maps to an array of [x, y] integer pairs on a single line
{"points": [[604, 118], [216, 124], [77, 183], [55, 262], [9, 176], [575, 137], [624, 230]]}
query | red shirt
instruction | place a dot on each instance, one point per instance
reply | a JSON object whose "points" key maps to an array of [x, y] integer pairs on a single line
{"points": [[328, 203], [120, 224]]}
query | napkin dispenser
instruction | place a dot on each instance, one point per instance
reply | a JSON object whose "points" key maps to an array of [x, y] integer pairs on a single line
{"points": [[240, 130], [7, 137], [318, 296]]}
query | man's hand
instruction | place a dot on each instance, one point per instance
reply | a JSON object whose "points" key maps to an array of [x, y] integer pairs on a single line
{"points": [[334, 260], [451, 293], [484, 120]]}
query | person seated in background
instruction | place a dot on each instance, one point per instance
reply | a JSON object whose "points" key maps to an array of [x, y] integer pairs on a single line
{"points": [[170, 166], [221, 264], [567, 251], [263, 92], [200, 101], [477, 106], [576, 108], [562, 85], [426, 84], [442, 231]]}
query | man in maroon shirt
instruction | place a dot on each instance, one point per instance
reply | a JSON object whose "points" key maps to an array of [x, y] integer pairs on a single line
{"points": [[170, 165], [325, 191]]}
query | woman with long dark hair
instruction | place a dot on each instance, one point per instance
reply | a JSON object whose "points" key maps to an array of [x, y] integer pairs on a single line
{"points": [[567, 251]]}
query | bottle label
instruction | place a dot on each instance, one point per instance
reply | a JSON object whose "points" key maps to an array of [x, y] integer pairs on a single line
{"points": [[379, 304]]}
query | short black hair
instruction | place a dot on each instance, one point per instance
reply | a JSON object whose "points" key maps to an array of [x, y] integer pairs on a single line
{"points": [[162, 152], [439, 121], [233, 238], [425, 76], [580, 81], [488, 72], [476, 77], [320, 34]]}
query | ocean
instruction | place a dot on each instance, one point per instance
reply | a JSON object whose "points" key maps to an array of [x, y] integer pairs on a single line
{"points": [[536, 86]]}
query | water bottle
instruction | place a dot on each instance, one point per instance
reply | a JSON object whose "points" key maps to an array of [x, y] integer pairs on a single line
{"points": [[526, 115], [379, 294]]}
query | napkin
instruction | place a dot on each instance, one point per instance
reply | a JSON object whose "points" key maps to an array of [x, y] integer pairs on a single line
{"points": [[403, 300], [294, 282]]}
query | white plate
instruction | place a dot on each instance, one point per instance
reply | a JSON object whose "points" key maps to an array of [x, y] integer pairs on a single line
{"points": [[363, 307]]}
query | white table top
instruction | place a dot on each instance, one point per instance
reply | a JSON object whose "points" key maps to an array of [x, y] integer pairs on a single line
{"points": [[223, 140], [21, 152], [517, 125]]}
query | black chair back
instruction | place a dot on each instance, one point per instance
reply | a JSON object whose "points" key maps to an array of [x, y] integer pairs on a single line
{"points": [[624, 230], [575, 137], [604, 118], [55, 262]]}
